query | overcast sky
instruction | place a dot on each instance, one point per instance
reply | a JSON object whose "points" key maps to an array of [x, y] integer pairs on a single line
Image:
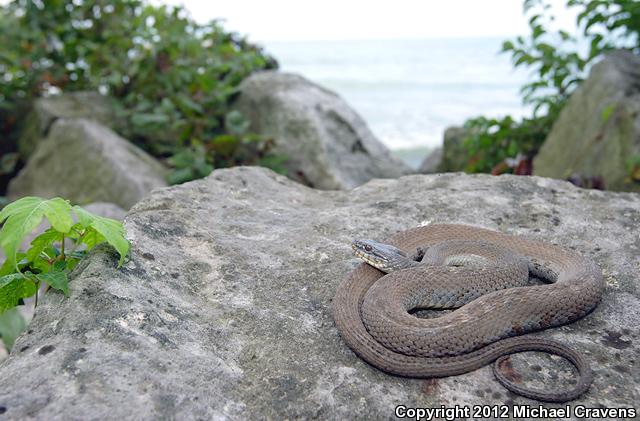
{"points": [[289, 20]]}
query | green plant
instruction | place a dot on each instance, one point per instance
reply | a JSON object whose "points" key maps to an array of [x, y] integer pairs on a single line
{"points": [[49, 259], [633, 168], [559, 62], [492, 142], [236, 147], [174, 78]]}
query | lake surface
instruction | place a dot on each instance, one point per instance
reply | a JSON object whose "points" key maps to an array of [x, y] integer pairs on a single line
{"points": [[409, 91]]}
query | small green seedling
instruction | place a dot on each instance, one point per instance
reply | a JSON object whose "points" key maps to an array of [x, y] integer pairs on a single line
{"points": [[46, 262]]}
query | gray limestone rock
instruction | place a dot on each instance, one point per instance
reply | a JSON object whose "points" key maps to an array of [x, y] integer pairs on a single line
{"points": [[224, 310], [84, 161], [598, 132], [45, 111], [108, 210], [454, 154], [328, 145], [432, 162]]}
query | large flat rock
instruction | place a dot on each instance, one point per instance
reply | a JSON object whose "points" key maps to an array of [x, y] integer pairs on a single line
{"points": [[224, 310]]}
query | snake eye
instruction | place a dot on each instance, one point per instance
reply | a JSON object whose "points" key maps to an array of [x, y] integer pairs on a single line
{"points": [[367, 247]]}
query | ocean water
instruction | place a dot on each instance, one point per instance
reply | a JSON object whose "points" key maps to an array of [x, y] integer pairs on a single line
{"points": [[409, 91]]}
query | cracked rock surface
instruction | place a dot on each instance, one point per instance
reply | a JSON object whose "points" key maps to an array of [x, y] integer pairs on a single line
{"points": [[224, 309]]}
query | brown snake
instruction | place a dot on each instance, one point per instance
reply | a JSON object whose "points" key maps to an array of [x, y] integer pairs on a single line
{"points": [[480, 332]]}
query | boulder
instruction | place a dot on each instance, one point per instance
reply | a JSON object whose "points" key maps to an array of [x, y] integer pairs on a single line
{"points": [[108, 210], [432, 162], [597, 135], [45, 111], [84, 161], [326, 143], [454, 153], [224, 309]]}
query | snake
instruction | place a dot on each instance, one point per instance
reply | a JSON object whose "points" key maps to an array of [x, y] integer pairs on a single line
{"points": [[466, 269]]}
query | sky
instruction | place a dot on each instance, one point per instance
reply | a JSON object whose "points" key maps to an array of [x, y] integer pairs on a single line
{"points": [[299, 20]]}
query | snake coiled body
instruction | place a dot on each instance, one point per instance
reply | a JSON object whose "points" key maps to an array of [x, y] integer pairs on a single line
{"points": [[480, 331]]}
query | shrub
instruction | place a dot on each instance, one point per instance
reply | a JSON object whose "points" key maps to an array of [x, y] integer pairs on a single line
{"points": [[559, 62], [173, 78]]}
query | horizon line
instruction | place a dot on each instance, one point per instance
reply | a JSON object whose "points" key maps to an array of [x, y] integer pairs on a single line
{"points": [[420, 38]]}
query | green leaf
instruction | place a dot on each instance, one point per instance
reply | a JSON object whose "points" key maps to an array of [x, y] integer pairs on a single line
{"points": [[533, 20], [183, 159], [92, 238], [12, 324], [507, 45], [180, 175], [13, 288], [56, 279], [224, 144], [110, 229], [7, 279], [275, 163], [606, 112], [7, 267], [59, 265], [235, 122], [189, 104], [43, 241], [524, 58], [8, 162], [24, 215], [538, 31], [144, 119], [40, 264], [564, 35]]}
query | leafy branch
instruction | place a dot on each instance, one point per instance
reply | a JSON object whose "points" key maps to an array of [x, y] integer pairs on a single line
{"points": [[173, 79], [47, 263], [559, 62]]}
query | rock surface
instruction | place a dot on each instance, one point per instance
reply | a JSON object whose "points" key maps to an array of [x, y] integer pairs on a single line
{"points": [[45, 111], [451, 157], [108, 210], [454, 153], [598, 131], [224, 310], [432, 162], [328, 145], [84, 161]]}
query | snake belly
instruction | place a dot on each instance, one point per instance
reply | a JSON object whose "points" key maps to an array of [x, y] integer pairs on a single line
{"points": [[487, 328]]}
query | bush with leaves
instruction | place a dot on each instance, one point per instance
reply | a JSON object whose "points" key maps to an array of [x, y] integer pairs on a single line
{"points": [[174, 78], [493, 142], [560, 62], [48, 261]]}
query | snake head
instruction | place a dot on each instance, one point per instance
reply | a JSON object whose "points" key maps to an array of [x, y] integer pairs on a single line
{"points": [[381, 256]]}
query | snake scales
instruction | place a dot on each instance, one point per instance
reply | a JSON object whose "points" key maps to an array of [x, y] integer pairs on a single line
{"points": [[478, 333]]}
